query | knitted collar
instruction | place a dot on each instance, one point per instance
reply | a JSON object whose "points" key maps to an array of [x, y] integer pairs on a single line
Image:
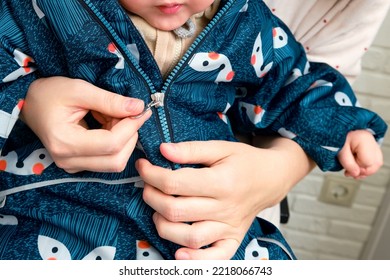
{"points": [[187, 30]]}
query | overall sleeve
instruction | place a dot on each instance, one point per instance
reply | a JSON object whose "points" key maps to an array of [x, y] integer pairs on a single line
{"points": [[312, 104], [17, 71]]}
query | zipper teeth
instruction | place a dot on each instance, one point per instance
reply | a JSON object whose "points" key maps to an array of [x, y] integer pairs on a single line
{"points": [[164, 124], [160, 110], [161, 113], [164, 127], [117, 40], [195, 44]]}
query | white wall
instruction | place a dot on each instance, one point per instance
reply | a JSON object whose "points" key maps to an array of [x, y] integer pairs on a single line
{"points": [[324, 231], [378, 245]]}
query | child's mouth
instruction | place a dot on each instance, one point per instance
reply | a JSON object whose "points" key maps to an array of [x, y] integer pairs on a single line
{"points": [[170, 9]]}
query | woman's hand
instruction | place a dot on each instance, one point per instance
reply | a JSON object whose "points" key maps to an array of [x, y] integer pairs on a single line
{"points": [[55, 109], [222, 199]]}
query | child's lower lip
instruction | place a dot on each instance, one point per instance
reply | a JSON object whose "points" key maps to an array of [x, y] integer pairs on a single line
{"points": [[170, 9]]}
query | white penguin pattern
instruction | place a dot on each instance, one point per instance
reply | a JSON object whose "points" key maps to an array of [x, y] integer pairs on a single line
{"points": [[24, 61], [8, 228], [245, 7], [280, 39], [112, 48], [254, 113], [257, 58], [7, 121], [52, 249], [286, 133], [320, 83], [255, 252], [343, 100], [222, 115], [207, 62], [8, 220], [147, 252], [296, 73], [34, 164]]}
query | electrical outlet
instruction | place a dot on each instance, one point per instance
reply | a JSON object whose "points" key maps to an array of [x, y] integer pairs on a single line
{"points": [[339, 190]]}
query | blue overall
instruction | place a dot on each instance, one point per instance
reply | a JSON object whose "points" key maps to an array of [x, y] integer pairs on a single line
{"points": [[245, 71]]}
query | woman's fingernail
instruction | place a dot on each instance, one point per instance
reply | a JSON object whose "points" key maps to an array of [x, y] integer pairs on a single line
{"points": [[171, 146]]}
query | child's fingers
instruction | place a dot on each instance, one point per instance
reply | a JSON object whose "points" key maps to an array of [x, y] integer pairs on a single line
{"points": [[361, 156], [348, 161], [369, 160], [370, 169]]}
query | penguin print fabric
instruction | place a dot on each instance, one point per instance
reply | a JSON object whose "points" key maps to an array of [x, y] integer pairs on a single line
{"points": [[244, 71]]}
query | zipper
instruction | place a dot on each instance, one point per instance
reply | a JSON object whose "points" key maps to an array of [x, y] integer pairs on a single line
{"points": [[164, 116], [157, 97], [91, 9], [157, 101], [94, 12], [195, 45]]}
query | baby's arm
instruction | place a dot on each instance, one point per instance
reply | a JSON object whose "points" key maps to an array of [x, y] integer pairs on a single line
{"points": [[361, 155]]}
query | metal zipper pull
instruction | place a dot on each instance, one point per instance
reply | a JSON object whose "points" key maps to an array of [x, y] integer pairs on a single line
{"points": [[157, 101], [158, 97]]}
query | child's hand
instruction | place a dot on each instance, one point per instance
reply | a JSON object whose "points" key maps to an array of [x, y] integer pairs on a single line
{"points": [[361, 155], [55, 109]]}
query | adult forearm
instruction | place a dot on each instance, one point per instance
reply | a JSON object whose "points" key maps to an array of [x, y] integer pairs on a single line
{"points": [[296, 164]]}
